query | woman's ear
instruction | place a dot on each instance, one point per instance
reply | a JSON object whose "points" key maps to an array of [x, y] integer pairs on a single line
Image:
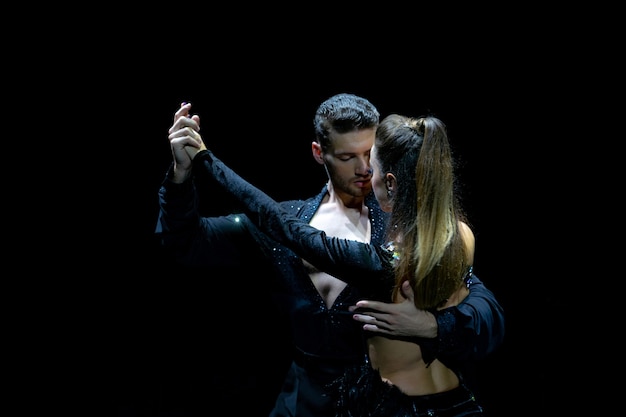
{"points": [[316, 148], [390, 183]]}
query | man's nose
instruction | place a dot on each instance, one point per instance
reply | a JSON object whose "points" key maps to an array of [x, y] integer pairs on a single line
{"points": [[365, 168]]}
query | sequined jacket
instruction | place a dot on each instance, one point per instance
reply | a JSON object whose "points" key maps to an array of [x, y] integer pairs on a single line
{"points": [[472, 329]]}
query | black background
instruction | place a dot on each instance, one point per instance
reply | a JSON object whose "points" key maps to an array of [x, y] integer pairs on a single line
{"points": [[162, 329], [146, 338]]}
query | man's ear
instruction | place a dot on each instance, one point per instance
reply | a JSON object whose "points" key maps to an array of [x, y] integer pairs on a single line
{"points": [[316, 148]]}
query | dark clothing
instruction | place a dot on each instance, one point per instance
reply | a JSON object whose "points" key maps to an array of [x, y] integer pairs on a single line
{"points": [[219, 241], [306, 390], [362, 392], [331, 336]]}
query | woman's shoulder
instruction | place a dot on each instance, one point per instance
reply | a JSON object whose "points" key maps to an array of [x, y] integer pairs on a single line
{"points": [[468, 238]]}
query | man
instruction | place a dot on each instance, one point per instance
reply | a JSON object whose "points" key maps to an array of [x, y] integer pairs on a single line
{"points": [[326, 338]]}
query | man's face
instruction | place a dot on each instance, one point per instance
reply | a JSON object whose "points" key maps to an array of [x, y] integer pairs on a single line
{"points": [[347, 162]]}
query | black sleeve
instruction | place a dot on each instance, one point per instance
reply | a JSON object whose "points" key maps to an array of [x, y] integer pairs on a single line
{"points": [[197, 241], [359, 264], [471, 330]]}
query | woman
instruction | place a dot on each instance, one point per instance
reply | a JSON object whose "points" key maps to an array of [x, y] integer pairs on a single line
{"points": [[430, 247]]}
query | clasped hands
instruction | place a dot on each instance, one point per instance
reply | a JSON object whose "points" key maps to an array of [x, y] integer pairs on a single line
{"points": [[184, 136]]}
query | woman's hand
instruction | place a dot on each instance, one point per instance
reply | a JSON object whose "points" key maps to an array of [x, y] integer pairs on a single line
{"points": [[185, 141]]}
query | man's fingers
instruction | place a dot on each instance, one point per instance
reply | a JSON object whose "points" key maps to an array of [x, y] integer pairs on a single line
{"points": [[373, 324], [374, 328], [372, 305], [364, 318], [183, 111], [372, 318], [183, 119]]}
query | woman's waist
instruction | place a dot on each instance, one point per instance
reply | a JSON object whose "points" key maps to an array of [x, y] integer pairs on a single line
{"points": [[401, 364]]}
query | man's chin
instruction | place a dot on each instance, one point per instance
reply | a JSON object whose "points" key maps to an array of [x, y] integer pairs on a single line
{"points": [[361, 192]]}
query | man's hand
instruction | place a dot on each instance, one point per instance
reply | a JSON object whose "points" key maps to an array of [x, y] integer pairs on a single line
{"points": [[185, 141], [396, 319]]}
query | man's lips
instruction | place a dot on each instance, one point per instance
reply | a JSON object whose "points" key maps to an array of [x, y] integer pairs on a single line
{"points": [[362, 183]]}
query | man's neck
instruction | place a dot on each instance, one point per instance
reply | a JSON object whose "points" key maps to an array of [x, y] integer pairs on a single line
{"points": [[340, 220], [344, 199]]}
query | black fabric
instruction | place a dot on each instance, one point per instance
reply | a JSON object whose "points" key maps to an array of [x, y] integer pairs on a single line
{"points": [[361, 392], [229, 241]]}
